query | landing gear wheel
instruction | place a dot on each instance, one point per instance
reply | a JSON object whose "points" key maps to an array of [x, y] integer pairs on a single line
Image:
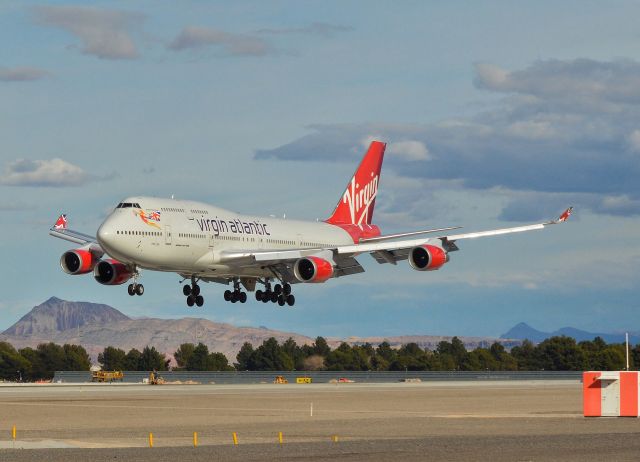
{"points": [[139, 289], [274, 297], [195, 290], [243, 297], [186, 290], [234, 297], [291, 300], [266, 296], [199, 300], [281, 300], [259, 295], [277, 289], [287, 289], [191, 300], [131, 290], [227, 295]]}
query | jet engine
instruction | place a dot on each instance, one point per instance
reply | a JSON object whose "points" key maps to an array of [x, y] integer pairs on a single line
{"points": [[313, 269], [111, 272], [427, 258], [78, 261]]}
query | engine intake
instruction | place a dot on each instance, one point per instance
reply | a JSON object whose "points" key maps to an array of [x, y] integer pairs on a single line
{"points": [[312, 269], [111, 272], [78, 261], [427, 258]]}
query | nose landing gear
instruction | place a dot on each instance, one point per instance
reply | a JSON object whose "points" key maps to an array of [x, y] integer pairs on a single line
{"points": [[135, 288]]}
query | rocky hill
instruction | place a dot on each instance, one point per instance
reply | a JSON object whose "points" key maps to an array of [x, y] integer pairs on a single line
{"points": [[97, 326], [57, 315]]}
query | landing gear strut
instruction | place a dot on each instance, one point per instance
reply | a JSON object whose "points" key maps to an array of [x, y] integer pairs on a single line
{"points": [[237, 295], [280, 294], [192, 292]]}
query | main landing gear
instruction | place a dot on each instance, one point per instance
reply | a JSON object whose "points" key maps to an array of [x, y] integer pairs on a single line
{"points": [[237, 295], [192, 292], [135, 288], [281, 294]]}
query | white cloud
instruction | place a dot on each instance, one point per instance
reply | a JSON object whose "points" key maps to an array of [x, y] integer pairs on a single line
{"points": [[104, 33], [21, 74], [565, 129], [193, 37], [409, 150], [54, 173]]}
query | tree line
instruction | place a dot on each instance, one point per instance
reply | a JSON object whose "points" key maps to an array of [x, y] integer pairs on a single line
{"points": [[554, 354]]}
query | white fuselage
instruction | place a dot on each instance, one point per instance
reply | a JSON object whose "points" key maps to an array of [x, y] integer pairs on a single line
{"points": [[191, 237]]}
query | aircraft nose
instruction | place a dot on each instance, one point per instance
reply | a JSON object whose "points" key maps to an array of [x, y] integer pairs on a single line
{"points": [[106, 233]]}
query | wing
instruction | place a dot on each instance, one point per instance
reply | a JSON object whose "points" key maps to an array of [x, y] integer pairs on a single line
{"points": [[385, 249], [391, 252], [60, 230]]}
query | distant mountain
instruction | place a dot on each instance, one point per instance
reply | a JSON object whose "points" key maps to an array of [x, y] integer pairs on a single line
{"points": [[97, 326], [57, 315], [523, 331]]}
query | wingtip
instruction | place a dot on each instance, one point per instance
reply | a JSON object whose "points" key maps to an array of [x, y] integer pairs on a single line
{"points": [[565, 215]]}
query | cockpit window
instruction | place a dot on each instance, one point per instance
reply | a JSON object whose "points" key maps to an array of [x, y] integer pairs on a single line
{"points": [[127, 205]]}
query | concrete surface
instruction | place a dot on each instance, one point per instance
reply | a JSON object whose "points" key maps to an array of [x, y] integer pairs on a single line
{"points": [[535, 420]]}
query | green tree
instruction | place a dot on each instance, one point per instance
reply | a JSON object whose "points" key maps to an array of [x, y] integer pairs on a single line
{"points": [[321, 347], [183, 354], [244, 358], [561, 354], [347, 358], [270, 357], [76, 358], [504, 360], [113, 359], [152, 359], [12, 364], [481, 359], [198, 361], [34, 369], [219, 362], [132, 360], [410, 357], [527, 356], [455, 349], [52, 358], [297, 355]]}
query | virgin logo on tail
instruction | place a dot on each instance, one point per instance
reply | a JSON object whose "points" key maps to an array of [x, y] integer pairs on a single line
{"points": [[358, 200]]}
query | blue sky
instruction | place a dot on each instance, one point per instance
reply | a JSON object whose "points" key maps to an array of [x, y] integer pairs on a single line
{"points": [[496, 113]]}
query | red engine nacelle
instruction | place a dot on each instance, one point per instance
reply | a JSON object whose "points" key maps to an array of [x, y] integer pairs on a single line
{"points": [[78, 261], [313, 269], [427, 258], [111, 272]]}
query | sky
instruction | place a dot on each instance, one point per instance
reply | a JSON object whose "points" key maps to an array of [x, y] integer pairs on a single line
{"points": [[495, 114]]}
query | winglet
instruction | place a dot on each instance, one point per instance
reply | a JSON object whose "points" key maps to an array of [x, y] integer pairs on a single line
{"points": [[61, 223], [565, 216]]}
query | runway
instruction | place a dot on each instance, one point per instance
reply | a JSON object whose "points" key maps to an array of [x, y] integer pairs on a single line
{"points": [[539, 420]]}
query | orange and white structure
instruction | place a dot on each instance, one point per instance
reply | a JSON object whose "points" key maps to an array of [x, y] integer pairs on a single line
{"points": [[610, 393]]}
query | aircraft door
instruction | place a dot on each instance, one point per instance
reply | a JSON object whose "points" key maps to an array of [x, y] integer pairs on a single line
{"points": [[167, 235]]}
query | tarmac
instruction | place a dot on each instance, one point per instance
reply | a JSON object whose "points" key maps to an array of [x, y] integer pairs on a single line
{"points": [[506, 420]]}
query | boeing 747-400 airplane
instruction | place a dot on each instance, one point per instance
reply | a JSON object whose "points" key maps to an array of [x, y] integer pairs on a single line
{"points": [[201, 242]]}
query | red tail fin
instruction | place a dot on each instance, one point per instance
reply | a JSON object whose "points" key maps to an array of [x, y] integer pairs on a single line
{"points": [[358, 200]]}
